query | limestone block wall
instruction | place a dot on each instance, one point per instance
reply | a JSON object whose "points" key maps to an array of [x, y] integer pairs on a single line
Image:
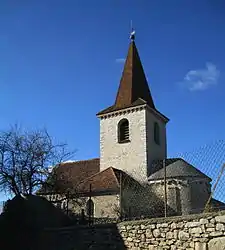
{"points": [[184, 196], [136, 156], [155, 152], [104, 205], [141, 201], [200, 192], [193, 232], [173, 196], [131, 157]]}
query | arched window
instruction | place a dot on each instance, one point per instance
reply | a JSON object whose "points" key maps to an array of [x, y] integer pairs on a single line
{"points": [[156, 133], [123, 131], [90, 208]]}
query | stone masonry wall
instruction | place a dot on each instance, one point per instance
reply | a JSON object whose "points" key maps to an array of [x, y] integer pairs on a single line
{"points": [[131, 157], [104, 205], [154, 151], [195, 232]]}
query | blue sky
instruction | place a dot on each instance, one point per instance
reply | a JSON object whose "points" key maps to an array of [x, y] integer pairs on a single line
{"points": [[61, 62]]}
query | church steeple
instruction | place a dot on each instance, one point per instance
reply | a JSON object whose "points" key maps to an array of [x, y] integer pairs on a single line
{"points": [[133, 83], [132, 130], [133, 89]]}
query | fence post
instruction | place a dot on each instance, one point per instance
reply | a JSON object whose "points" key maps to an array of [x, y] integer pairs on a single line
{"points": [[165, 189], [120, 196], [89, 208]]}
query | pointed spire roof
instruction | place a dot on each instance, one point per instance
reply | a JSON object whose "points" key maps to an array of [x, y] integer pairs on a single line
{"points": [[133, 89], [133, 83]]}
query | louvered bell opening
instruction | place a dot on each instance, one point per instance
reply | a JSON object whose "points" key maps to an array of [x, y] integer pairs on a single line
{"points": [[123, 131]]}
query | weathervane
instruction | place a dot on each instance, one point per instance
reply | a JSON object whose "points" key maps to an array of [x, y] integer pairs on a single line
{"points": [[132, 34]]}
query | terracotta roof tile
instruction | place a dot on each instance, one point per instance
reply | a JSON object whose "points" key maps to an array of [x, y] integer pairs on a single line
{"points": [[104, 181], [107, 181], [78, 176], [69, 174], [80, 170]]}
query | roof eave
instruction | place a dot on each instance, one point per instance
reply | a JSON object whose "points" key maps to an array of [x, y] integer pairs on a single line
{"points": [[178, 177], [159, 114], [102, 114], [99, 192], [155, 111]]}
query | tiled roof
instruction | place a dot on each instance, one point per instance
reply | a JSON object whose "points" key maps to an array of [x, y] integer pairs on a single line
{"points": [[103, 181], [217, 204], [79, 176], [133, 83], [175, 167], [106, 181], [69, 174], [80, 170]]}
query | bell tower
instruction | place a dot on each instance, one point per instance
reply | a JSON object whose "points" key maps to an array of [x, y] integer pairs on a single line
{"points": [[132, 130]]}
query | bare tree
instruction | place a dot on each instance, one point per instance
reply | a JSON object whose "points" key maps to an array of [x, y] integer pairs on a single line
{"points": [[25, 157]]}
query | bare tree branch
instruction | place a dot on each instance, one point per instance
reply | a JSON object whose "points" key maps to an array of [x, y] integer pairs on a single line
{"points": [[25, 158]]}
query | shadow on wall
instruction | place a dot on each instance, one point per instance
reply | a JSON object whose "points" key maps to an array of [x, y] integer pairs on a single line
{"points": [[144, 201], [24, 219], [98, 237]]}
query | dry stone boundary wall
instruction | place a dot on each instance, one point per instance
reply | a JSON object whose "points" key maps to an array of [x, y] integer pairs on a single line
{"points": [[192, 232], [195, 232]]}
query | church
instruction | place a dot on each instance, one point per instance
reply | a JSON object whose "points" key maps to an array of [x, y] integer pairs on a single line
{"points": [[133, 176]]}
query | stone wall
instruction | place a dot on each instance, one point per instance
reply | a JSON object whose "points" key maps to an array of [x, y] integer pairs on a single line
{"points": [[105, 206], [184, 195], [154, 151], [140, 201], [98, 237], [193, 232], [136, 156], [131, 157]]}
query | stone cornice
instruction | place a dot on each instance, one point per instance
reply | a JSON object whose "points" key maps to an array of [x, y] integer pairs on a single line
{"points": [[131, 110], [122, 111]]}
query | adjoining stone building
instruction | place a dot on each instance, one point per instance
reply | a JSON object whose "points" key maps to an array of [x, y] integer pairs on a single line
{"points": [[128, 178]]}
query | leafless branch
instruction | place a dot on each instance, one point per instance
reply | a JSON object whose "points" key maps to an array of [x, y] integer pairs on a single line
{"points": [[25, 157]]}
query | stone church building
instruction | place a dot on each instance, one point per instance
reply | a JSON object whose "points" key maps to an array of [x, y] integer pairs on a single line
{"points": [[128, 178]]}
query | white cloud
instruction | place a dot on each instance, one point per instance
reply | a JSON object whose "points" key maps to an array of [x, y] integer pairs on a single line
{"points": [[201, 79], [120, 60]]}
